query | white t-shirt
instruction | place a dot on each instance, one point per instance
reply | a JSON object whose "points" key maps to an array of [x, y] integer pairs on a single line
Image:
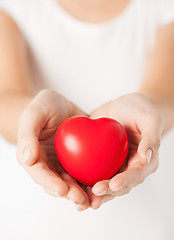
{"points": [[90, 64]]}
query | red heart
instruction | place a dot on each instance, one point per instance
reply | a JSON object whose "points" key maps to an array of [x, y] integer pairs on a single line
{"points": [[91, 150]]}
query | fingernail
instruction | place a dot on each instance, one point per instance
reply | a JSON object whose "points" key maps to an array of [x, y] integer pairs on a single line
{"points": [[102, 193], [27, 155], [149, 155]]}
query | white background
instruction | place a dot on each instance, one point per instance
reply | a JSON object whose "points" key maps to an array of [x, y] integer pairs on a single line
{"points": [[28, 213]]}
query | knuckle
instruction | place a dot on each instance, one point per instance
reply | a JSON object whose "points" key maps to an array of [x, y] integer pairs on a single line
{"points": [[46, 91]]}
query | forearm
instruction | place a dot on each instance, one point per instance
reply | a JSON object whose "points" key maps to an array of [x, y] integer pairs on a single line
{"points": [[11, 107], [164, 105], [13, 104], [158, 85]]}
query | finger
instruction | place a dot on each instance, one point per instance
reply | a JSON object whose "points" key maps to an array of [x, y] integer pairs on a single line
{"points": [[31, 122], [95, 201], [75, 193], [101, 188], [84, 205], [130, 178], [151, 129], [107, 198], [50, 192], [48, 179], [111, 195], [105, 190], [121, 192]]}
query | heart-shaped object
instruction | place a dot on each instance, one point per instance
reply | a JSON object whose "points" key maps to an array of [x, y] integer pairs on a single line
{"points": [[91, 150]]}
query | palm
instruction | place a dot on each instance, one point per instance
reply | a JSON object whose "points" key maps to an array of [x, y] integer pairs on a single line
{"points": [[134, 136], [37, 127], [49, 161], [48, 155], [134, 140]]}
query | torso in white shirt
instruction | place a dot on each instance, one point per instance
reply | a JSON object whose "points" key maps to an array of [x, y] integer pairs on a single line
{"points": [[90, 64]]}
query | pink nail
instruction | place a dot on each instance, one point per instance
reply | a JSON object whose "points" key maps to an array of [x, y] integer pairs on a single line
{"points": [[149, 155]]}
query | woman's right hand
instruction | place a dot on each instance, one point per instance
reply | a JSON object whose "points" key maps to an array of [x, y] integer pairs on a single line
{"points": [[35, 145]]}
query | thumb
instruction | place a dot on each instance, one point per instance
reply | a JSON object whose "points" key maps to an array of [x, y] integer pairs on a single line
{"points": [[31, 122], [147, 148], [29, 150], [151, 130]]}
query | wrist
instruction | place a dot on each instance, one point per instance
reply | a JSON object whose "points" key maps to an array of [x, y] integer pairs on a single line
{"points": [[164, 104]]}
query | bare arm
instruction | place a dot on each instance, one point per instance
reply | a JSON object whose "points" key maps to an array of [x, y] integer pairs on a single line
{"points": [[16, 90], [158, 85], [143, 121], [31, 121]]}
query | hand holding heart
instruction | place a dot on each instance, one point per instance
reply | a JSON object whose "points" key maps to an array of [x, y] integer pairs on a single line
{"points": [[37, 128], [35, 146], [91, 150], [144, 128]]}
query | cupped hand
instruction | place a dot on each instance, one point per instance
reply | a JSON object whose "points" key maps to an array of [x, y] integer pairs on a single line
{"points": [[144, 128], [35, 145]]}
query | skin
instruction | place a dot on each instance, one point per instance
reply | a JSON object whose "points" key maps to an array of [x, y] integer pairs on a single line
{"points": [[149, 113], [94, 11]]}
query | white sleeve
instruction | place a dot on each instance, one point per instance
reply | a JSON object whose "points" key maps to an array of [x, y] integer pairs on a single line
{"points": [[167, 12], [7, 7], [16, 9]]}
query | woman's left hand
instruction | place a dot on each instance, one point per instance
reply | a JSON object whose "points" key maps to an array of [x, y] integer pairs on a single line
{"points": [[144, 127]]}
